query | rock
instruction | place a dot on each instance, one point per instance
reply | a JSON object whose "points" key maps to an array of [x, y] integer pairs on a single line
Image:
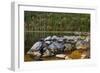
{"points": [[67, 47], [82, 44], [59, 46], [60, 56], [47, 38], [52, 47], [75, 54], [67, 58], [87, 39], [60, 39], [48, 42], [46, 53], [83, 56], [55, 37], [37, 53], [35, 47]]}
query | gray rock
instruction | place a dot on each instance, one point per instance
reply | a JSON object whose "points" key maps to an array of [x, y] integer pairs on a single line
{"points": [[56, 45], [35, 47], [67, 47], [55, 37], [82, 44], [47, 38]]}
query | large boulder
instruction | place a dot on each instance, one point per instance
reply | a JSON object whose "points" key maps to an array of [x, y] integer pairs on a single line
{"points": [[35, 47]]}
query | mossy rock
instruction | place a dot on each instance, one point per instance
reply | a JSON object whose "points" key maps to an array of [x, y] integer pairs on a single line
{"points": [[75, 54]]}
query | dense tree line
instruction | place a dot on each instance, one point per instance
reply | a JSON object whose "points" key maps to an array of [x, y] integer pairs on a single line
{"points": [[49, 21]]}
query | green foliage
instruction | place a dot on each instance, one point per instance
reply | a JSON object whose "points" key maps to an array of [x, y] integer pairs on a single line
{"points": [[49, 21]]}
